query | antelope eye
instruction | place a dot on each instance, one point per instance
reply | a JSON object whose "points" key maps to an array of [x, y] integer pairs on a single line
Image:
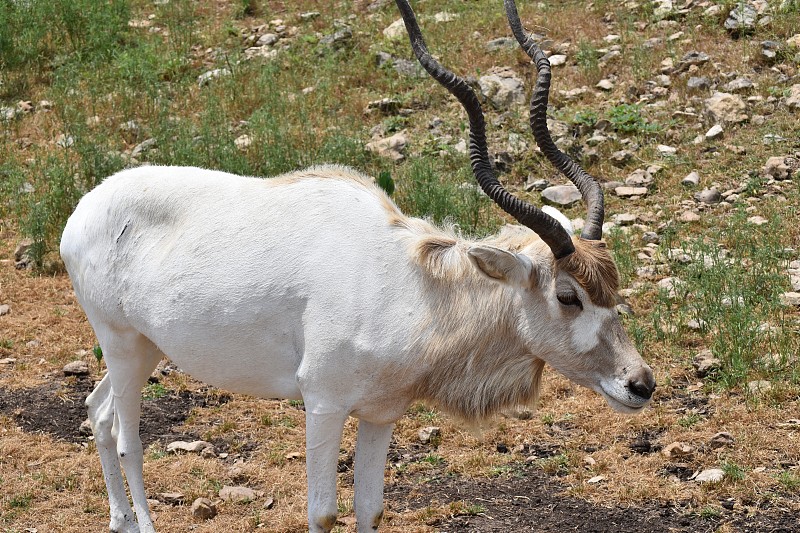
{"points": [[569, 299]]}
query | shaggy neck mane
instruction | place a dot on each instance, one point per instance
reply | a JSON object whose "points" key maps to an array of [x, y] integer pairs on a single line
{"points": [[475, 364]]}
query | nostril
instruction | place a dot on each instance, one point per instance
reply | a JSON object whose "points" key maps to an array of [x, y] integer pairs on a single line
{"points": [[641, 388]]}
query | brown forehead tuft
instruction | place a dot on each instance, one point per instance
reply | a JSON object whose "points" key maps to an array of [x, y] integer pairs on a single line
{"points": [[593, 268]]}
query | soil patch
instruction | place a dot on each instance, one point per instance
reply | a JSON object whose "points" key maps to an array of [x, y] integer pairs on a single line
{"points": [[530, 500], [58, 409]]}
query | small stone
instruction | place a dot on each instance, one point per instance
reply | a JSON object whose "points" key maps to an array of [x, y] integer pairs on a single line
{"points": [[501, 43], [5, 309], [650, 237], [624, 219], [396, 30], [629, 192], [206, 77], [536, 184], [142, 147], [666, 150], [563, 195], [310, 15], [428, 434], [689, 216], [387, 106], [715, 132], [557, 60], [239, 494], [776, 167], [596, 479], [722, 439], [712, 475], [76, 368], [268, 39], [605, 85], [85, 428], [391, 147], [621, 157], [698, 82], [269, 503], [502, 88], [197, 446], [708, 196], [7, 361], [171, 498], [444, 16], [725, 108], [757, 220], [705, 363], [691, 180], [790, 299], [738, 85], [758, 386], [741, 20], [204, 509], [242, 142], [678, 450], [293, 455]]}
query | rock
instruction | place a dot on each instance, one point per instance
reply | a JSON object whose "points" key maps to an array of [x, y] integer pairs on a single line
{"points": [[777, 167], [624, 219], [794, 40], [596, 479], [708, 196], [715, 132], [691, 180], [738, 85], [171, 498], [429, 434], [338, 39], [502, 88], [758, 386], [198, 446], [309, 15], [444, 16], [386, 106], [85, 428], [239, 494], [269, 503], [203, 509], [605, 85], [689, 216], [76, 368], [563, 195], [268, 39], [725, 108], [501, 43], [793, 100], [630, 192], [536, 184], [639, 178], [650, 237], [712, 475], [678, 450], [699, 82], [557, 60], [142, 147], [790, 299], [662, 8], [741, 20], [206, 77], [693, 58], [243, 142], [391, 147], [7, 361], [666, 150], [408, 68], [5, 309], [672, 286], [621, 157], [757, 220], [722, 439], [396, 30]]}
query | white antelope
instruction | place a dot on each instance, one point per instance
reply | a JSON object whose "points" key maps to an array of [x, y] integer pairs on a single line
{"points": [[314, 286]]}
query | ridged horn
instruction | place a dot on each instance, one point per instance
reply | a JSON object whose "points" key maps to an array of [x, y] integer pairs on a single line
{"points": [[548, 228], [586, 184]]}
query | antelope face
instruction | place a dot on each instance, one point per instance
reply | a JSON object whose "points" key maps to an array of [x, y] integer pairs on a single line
{"points": [[597, 352]]}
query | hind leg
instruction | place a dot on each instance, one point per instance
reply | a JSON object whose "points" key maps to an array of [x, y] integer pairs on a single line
{"points": [[130, 358], [100, 404]]}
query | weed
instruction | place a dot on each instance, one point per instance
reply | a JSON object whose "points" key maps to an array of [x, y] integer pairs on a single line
{"points": [[433, 459], [154, 391], [462, 508], [790, 481], [627, 118], [587, 58], [710, 513], [733, 471], [689, 420], [20, 502]]}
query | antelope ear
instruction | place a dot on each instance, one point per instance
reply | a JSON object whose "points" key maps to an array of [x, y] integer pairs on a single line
{"points": [[501, 265]]}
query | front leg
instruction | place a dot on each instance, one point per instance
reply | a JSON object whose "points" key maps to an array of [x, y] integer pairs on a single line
{"points": [[370, 464], [323, 438]]}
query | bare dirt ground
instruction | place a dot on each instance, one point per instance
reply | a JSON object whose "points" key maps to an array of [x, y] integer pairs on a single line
{"points": [[516, 475]]}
